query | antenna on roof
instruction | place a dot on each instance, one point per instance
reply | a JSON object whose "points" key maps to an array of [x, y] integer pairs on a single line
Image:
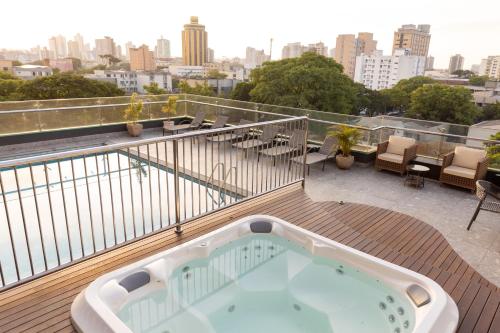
{"points": [[270, 49]]}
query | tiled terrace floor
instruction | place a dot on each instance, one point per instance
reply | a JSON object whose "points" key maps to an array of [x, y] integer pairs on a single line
{"points": [[44, 304], [446, 208]]}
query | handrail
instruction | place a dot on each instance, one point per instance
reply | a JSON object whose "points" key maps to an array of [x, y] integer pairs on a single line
{"points": [[118, 146]]}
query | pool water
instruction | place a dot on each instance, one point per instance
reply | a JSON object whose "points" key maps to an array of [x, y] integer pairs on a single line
{"points": [[264, 283], [94, 203]]}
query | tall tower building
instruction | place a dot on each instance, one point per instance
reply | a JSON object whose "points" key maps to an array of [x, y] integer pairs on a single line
{"points": [[366, 44], [456, 63], [318, 48], [254, 58], [128, 46], [81, 45], [194, 43], [162, 49], [345, 53], [348, 47], [141, 59], [105, 46], [293, 50], [57, 47], [74, 50], [429, 63], [413, 38]]}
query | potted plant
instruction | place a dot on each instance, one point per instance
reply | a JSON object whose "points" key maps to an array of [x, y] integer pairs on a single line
{"points": [[347, 137], [132, 114], [170, 108]]}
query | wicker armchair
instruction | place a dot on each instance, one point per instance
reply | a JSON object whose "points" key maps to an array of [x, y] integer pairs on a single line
{"points": [[464, 167], [489, 199], [395, 154]]}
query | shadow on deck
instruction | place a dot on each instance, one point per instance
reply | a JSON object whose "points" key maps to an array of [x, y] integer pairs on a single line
{"points": [[43, 305]]}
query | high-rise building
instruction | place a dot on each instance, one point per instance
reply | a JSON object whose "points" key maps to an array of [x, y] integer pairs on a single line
{"points": [[254, 58], [293, 50], [44, 53], [490, 67], [348, 47], [429, 63], [365, 43], [456, 63], [377, 71], [81, 46], [105, 46], [345, 53], [331, 53], [57, 47], [128, 46], [141, 59], [413, 38], [318, 48], [162, 49], [211, 55], [74, 49], [194, 43], [118, 52]]}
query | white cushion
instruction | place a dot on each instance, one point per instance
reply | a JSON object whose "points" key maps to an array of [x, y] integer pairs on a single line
{"points": [[460, 172], [398, 144], [394, 158], [467, 157]]}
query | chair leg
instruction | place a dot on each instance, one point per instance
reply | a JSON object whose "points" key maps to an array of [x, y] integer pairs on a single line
{"points": [[475, 214], [308, 169]]}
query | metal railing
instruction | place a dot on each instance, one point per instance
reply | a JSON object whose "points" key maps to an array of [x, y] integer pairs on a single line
{"points": [[62, 208]]}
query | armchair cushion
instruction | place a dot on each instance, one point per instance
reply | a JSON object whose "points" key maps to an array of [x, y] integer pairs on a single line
{"points": [[398, 144], [468, 157], [394, 158], [460, 171]]}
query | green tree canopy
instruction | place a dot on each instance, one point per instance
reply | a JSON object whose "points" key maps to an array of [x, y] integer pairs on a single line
{"points": [[463, 73], [370, 102], [398, 97], [491, 112], [311, 81], [154, 89], [242, 91], [477, 80], [199, 89], [439, 102], [66, 86], [215, 74]]}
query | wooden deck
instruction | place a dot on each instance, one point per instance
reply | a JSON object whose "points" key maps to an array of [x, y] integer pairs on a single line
{"points": [[43, 305]]}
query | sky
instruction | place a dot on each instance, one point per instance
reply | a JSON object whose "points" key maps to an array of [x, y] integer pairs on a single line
{"points": [[467, 27]]}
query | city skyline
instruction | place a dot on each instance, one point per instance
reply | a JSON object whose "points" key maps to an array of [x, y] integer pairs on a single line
{"points": [[458, 32]]}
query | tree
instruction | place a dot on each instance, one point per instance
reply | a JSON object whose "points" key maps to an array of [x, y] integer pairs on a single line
{"points": [[242, 91], [7, 76], [370, 102], [439, 102], [398, 97], [465, 74], [493, 150], [16, 63], [110, 59], [9, 88], [215, 74], [154, 89], [490, 112], [477, 80], [311, 81], [199, 89], [66, 86]]}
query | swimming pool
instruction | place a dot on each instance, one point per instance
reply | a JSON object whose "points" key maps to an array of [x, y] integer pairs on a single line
{"points": [[76, 207], [262, 274]]}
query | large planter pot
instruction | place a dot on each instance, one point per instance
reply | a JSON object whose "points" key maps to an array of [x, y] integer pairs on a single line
{"points": [[134, 129], [344, 162]]}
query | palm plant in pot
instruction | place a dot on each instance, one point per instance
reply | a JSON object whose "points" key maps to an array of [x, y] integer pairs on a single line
{"points": [[132, 115], [170, 108], [347, 137]]}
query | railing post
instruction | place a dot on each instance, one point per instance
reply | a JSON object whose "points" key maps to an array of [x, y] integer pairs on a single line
{"points": [[178, 228], [304, 148]]}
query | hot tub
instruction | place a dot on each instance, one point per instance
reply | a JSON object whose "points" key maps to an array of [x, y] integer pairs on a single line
{"points": [[262, 274]]}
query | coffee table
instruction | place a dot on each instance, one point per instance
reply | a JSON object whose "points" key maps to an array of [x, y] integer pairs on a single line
{"points": [[415, 175]]}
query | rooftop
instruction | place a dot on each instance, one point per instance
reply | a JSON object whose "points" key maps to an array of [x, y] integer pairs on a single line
{"points": [[72, 161]]}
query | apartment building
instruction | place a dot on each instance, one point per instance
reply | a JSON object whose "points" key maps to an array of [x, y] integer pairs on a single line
{"points": [[456, 63], [378, 72], [490, 67], [194, 43], [414, 38], [293, 50], [141, 59], [125, 80], [348, 47], [254, 58]]}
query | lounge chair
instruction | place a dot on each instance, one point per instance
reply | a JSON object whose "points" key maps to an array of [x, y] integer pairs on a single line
{"points": [[191, 125], [464, 167], [239, 133], [489, 199], [265, 139], [327, 150], [395, 154], [292, 146], [219, 122]]}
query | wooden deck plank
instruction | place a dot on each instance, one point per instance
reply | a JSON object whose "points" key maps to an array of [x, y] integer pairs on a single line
{"points": [[43, 305]]}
